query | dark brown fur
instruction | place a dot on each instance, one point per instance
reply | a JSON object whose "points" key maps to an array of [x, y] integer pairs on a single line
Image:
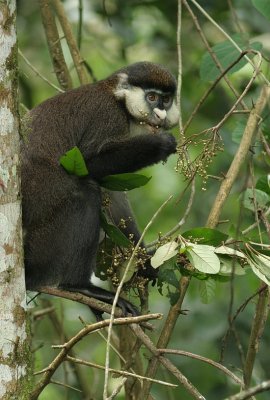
{"points": [[61, 211]]}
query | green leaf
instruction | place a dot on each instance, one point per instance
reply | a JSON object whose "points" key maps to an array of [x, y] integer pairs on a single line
{"points": [[226, 53], [229, 251], [229, 265], [164, 253], [74, 163], [207, 290], [203, 258], [255, 196], [124, 182], [114, 233], [168, 276], [205, 236], [263, 6], [263, 184], [260, 265]]}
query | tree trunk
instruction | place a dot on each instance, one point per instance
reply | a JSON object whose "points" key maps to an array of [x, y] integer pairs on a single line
{"points": [[15, 356]]}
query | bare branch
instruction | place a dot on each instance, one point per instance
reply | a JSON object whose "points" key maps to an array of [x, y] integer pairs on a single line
{"points": [[74, 51], [245, 395], [38, 73], [54, 44], [117, 371], [212, 54], [167, 364], [49, 371], [166, 333], [259, 320], [204, 359], [240, 156]]}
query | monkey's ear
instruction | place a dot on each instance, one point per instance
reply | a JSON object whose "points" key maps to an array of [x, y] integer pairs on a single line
{"points": [[122, 86]]}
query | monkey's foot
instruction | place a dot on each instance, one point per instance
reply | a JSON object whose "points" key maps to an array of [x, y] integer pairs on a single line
{"points": [[107, 297]]}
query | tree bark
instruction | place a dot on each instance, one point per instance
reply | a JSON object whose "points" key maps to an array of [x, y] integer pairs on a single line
{"points": [[15, 356]]}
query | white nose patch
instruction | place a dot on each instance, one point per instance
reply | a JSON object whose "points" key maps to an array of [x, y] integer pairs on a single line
{"points": [[161, 114]]}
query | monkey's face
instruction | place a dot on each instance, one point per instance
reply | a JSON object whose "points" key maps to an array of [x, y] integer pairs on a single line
{"points": [[154, 109]]}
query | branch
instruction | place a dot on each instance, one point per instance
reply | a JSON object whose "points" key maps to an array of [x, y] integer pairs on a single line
{"points": [[166, 363], [38, 73], [117, 294], [219, 28], [179, 54], [243, 149], [88, 301], [59, 329], [73, 48], [166, 333], [210, 51], [179, 223], [118, 372], [50, 370], [257, 328], [212, 87], [203, 359], [54, 44], [262, 387]]}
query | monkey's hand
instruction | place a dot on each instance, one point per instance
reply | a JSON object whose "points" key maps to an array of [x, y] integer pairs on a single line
{"points": [[167, 145]]}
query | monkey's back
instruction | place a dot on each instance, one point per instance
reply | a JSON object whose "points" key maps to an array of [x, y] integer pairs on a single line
{"points": [[74, 118]]}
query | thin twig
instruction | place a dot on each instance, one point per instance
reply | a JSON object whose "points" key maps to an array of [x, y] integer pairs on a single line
{"points": [[39, 74], [205, 360], [208, 91], [167, 364], [50, 370], [117, 294], [65, 385], [245, 395], [210, 51], [117, 371], [166, 332], [74, 51], [253, 226], [59, 329], [80, 23], [54, 44], [182, 220], [117, 390], [243, 94], [179, 54], [219, 28]]}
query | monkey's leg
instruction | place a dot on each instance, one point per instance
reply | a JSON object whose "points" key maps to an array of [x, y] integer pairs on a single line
{"points": [[62, 252]]}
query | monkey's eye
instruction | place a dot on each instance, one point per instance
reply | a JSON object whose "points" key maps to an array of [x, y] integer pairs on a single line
{"points": [[152, 97], [167, 100]]}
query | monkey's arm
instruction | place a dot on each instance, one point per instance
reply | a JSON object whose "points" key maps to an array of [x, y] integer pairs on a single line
{"points": [[130, 155]]}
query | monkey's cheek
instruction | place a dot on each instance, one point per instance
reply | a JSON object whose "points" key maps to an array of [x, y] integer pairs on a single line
{"points": [[151, 128]]}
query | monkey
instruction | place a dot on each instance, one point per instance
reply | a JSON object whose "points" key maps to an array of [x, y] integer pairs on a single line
{"points": [[120, 124]]}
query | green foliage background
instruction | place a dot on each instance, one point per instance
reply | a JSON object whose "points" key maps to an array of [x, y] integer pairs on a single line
{"points": [[126, 32]]}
